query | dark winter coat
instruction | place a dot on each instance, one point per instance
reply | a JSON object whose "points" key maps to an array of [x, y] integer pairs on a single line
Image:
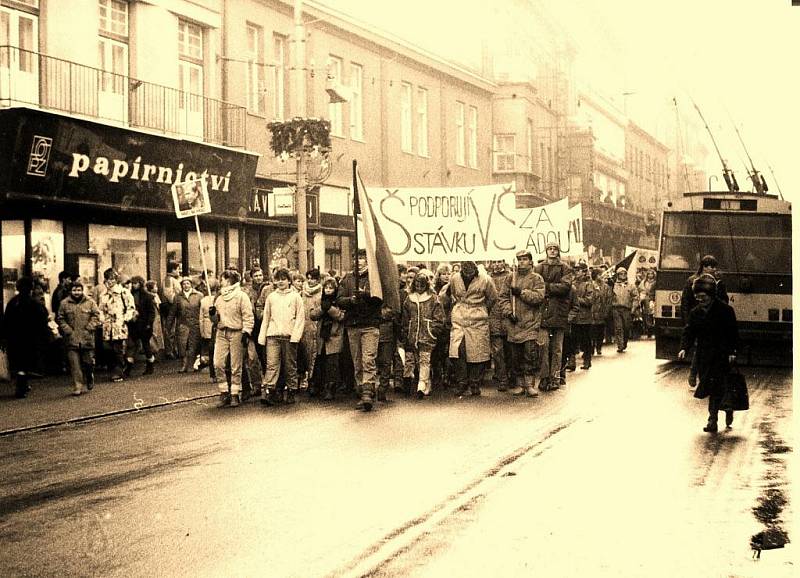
{"points": [[422, 320], [558, 280], [717, 337], [25, 333], [145, 304], [361, 310], [334, 316], [77, 321], [584, 299], [526, 307], [188, 309], [601, 305]]}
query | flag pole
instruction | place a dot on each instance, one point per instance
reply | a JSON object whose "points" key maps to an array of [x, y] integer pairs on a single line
{"points": [[355, 221], [202, 254]]}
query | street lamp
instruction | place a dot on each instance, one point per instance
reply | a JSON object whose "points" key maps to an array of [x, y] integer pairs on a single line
{"points": [[709, 181]]}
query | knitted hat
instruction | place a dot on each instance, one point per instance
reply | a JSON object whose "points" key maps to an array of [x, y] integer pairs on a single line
{"points": [[705, 284], [552, 244], [622, 270], [524, 253]]}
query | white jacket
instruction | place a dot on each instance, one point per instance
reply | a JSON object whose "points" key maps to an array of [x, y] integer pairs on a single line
{"points": [[284, 314]]}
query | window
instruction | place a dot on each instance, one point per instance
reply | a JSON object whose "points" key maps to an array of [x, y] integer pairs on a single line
{"points": [[473, 137], [196, 258], [233, 247], [255, 70], [12, 253], [335, 108], [422, 122], [529, 140], [460, 133], [114, 17], [123, 248], [113, 61], [504, 153], [190, 41], [356, 102], [281, 62], [405, 117]]}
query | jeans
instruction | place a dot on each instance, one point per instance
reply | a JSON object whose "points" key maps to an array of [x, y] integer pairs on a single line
{"points": [[526, 356], [598, 336], [281, 354], [81, 363], [364, 351], [420, 359], [229, 342], [582, 338], [551, 352], [387, 350], [116, 356], [470, 375]]}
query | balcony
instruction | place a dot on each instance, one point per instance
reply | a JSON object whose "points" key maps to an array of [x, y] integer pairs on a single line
{"points": [[33, 79]]}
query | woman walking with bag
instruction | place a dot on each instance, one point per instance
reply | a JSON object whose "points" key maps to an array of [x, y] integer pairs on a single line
{"points": [[713, 324]]}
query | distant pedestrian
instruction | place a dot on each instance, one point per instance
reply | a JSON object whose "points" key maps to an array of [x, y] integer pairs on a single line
{"points": [[311, 293], [601, 309], [140, 330], [502, 349], [557, 277], [421, 323], [171, 288], [78, 317], [25, 333], [157, 341], [473, 296], [187, 315], [712, 327], [330, 336], [583, 320], [233, 313], [118, 309], [624, 304], [281, 331], [521, 295], [208, 330]]}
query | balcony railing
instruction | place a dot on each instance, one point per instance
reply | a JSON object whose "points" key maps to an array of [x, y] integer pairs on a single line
{"points": [[34, 79]]}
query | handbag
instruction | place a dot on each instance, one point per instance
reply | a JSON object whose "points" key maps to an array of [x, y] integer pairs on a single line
{"points": [[736, 396], [5, 370]]}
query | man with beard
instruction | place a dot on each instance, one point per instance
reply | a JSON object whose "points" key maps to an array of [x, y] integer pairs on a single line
{"points": [[473, 296]]}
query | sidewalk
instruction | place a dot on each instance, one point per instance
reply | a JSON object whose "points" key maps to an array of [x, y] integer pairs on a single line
{"points": [[51, 402]]}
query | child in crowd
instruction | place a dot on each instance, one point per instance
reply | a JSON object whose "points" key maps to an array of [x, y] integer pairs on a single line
{"points": [[422, 321]]}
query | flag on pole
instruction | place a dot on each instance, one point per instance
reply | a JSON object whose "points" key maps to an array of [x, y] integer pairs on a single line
{"points": [[383, 280], [626, 262]]}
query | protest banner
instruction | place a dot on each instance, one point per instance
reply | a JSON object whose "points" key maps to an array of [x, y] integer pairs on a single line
{"points": [[190, 198], [446, 224], [557, 222], [644, 259]]}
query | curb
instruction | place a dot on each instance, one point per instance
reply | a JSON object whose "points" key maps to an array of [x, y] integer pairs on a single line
{"points": [[82, 419]]}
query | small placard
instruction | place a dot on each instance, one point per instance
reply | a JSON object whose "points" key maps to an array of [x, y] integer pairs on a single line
{"points": [[191, 198]]}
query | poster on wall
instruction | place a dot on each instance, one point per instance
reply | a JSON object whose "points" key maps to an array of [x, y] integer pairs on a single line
{"points": [[190, 198]]}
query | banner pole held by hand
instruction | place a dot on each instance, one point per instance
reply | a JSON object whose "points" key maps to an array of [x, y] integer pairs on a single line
{"points": [[202, 255]]}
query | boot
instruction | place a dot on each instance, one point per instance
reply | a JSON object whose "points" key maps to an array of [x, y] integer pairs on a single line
{"points": [[235, 401], [382, 394], [267, 397], [728, 419], [530, 390], [88, 375], [365, 404], [126, 370], [22, 387], [148, 367], [224, 399], [520, 388], [77, 389], [570, 365], [544, 384], [290, 396], [329, 389]]}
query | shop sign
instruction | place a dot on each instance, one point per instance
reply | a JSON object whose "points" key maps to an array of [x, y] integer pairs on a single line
{"points": [[279, 203], [78, 160]]}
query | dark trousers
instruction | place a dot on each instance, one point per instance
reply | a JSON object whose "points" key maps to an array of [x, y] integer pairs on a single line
{"points": [[387, 350], [622, 326], [582, 339], [598, 336], [502, 356], [526, 358], [116, 356], [469, 374]]}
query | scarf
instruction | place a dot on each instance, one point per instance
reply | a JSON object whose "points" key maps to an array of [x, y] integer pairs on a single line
{"points": [[309, 291], [228, 292]]}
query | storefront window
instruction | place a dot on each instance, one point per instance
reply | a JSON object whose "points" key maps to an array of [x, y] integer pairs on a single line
{"points": [[13, 235], [280, 254], [123, 248], [233, 247], [195, 257], [47, 253]]}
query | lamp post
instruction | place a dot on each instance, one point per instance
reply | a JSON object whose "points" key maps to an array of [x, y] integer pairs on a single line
{"points": [[299, 106], [709, 181]]}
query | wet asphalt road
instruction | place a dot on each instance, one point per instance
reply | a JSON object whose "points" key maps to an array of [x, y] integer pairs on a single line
{"points": [[560, 485]]}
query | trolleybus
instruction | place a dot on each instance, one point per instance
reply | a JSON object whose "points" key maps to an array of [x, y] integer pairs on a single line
{"points": [[750, 235]]}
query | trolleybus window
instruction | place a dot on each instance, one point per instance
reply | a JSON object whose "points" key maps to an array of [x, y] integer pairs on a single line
{"points": [[759, 243]]}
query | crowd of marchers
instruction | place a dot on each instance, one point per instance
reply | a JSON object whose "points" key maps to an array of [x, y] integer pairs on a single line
{"points": [[279, 332]]}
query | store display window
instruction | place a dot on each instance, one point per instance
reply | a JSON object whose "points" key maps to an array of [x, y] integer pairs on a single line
{"points": [[13, 256], [123, 248], [47, 254], [195, 258]]}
